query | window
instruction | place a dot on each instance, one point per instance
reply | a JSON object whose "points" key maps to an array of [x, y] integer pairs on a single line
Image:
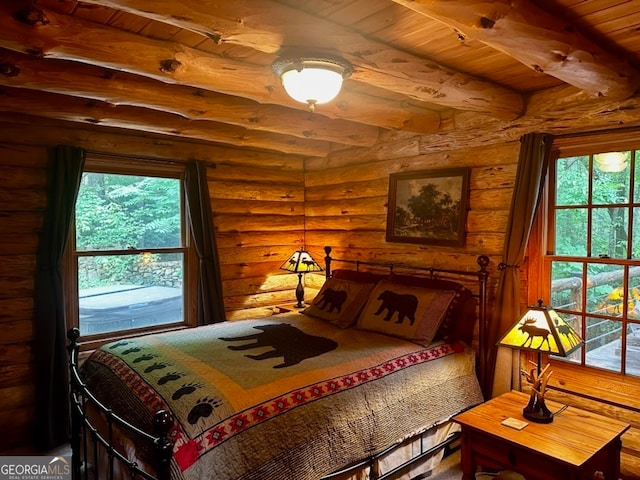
{"points": [[592, 260], [128, 252]]}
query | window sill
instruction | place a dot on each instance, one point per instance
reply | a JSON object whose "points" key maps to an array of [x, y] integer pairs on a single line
{"points": [[93, 343]]}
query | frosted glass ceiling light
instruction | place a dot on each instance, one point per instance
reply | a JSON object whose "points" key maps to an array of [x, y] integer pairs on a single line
{"points": [[611, 161], [312, 80]]}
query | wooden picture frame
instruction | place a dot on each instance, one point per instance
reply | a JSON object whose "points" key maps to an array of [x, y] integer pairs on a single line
{"points": [[428, 207]]}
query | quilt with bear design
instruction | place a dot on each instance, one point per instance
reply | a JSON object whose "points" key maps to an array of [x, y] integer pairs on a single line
{"points": [[286, 397]]}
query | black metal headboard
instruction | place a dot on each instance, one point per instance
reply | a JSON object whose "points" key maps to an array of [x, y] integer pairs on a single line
{"points": [[481, 275]]}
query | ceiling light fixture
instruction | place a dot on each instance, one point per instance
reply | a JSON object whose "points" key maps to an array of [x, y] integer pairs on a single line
{"points": [[312, 79]]}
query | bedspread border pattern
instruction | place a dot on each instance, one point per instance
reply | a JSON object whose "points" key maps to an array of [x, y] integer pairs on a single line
{"points": [[188, 450]]}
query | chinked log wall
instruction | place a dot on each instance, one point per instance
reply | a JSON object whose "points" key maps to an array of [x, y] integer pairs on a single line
{"points": [[346, 205]]}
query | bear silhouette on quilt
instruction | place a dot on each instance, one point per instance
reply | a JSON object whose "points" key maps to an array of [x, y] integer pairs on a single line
{"points": [[288, 342]]}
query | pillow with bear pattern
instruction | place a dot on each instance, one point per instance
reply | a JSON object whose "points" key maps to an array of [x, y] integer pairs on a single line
{"points": [[405, 311], [339, 301], [460, 320]]}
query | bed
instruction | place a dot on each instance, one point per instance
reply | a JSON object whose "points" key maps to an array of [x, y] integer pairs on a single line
{"points": [[361, 384]]}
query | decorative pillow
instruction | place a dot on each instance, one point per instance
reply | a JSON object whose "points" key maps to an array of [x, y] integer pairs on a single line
{"points": [[358, 276], [405, 311], [460, 319], [339, 301]]}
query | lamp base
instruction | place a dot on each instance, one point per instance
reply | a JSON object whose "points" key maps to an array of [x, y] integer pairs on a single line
{"points": [[537, 411], [299, 293]]}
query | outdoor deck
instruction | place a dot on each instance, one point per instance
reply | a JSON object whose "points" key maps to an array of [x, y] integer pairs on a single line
{"points": [[608, 357]]}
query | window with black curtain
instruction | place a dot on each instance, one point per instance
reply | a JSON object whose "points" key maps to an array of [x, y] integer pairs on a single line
{"points": [[130, 260]]}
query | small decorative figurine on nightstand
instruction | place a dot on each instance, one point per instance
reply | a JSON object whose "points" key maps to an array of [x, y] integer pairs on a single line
{"points": [[536, 410]]}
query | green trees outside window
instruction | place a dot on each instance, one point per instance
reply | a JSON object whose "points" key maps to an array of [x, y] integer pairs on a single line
{"points": [[129, 252], [594, 259]]}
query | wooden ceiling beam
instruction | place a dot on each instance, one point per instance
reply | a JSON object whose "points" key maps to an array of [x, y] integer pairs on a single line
{"points": [[272, 27], [20, 128], [119, 88], [560, 111], [67, 38], [62, 107], [537, 39]]}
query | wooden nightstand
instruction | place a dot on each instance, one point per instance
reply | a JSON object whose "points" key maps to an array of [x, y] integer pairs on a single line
{"points": [[287, 307], [573, 447]]}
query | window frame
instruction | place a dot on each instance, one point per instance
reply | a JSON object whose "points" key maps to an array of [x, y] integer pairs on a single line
{"points": [[101, 163], [541, 247]]}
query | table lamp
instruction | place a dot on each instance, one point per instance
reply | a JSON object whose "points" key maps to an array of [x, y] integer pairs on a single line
{"points": [[300, 262], [541, 330]]}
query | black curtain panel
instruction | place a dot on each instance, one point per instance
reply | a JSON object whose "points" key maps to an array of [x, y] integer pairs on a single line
{"points": [[210, 300], [533, 162], [50, 354]]}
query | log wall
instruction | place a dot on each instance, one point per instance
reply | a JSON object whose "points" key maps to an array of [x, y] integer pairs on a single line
{"points": [[266, 206], [22, 202], [258, 204], [346, 204], [346, 207]]}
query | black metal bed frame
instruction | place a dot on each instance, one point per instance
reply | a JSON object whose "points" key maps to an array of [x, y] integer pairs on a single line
{"points": [[481, 275], [85, 452], [87, 439]]}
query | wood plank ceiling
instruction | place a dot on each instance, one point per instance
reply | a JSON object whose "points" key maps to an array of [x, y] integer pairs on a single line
{"points": [[201, 69]]}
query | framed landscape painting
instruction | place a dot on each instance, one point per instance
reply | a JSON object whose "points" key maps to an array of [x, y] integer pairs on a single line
{"points": [[428, 207]]}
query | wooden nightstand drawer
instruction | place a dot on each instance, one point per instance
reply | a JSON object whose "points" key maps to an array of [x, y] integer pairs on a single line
{"points": [[491, 451]]}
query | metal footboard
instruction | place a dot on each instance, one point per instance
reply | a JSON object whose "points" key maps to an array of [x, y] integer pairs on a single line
{"points": [[90, 445]]}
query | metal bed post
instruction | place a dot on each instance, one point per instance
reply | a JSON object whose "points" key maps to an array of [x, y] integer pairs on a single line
{"points": [[327, 261], [162, 423], [76, 415], [483, 277], [80, 422]]}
